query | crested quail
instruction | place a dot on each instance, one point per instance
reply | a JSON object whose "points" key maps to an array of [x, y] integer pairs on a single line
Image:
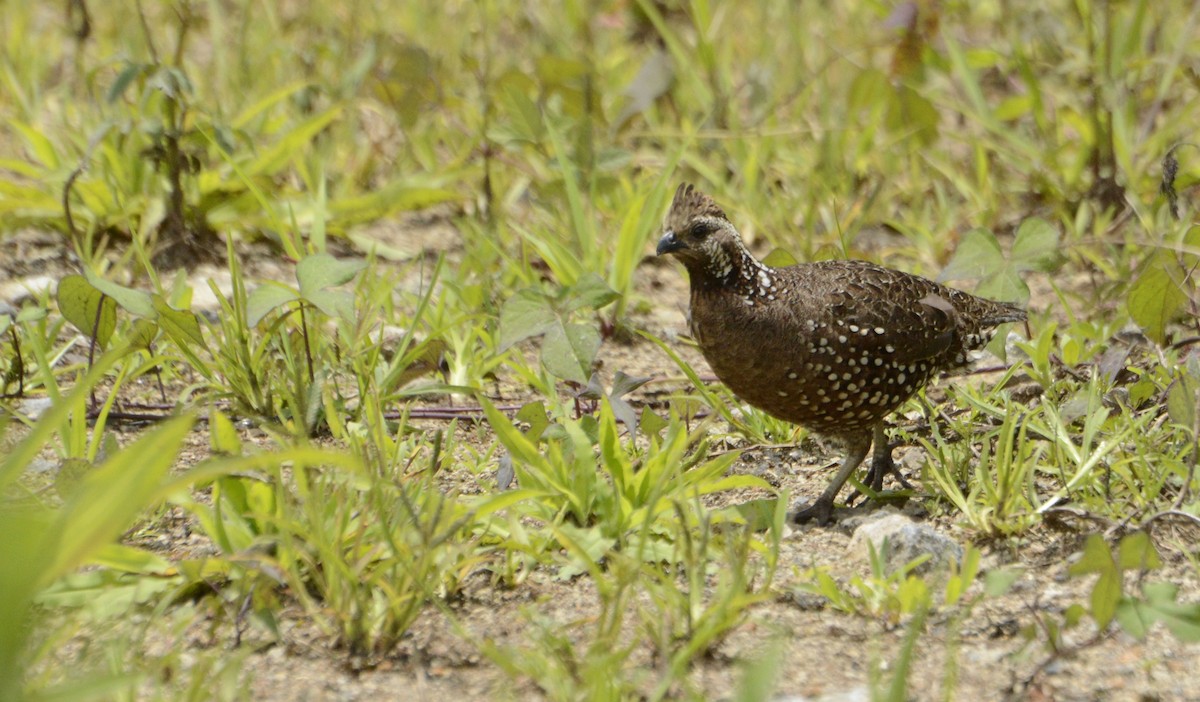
{"points": [[834, 346]]}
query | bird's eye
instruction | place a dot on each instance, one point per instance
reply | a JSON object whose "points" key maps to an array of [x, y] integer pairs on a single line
{"points": [[702, 229]]}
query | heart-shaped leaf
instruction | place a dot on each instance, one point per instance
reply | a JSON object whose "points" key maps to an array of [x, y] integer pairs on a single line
{"points": [[526, 314], [265, 298], [91, 311], [978, 254], [569, 349], [320, 271], [1036, 246]]}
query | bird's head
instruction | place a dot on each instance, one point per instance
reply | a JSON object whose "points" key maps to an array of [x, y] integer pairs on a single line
{"points": [[697, 232]]}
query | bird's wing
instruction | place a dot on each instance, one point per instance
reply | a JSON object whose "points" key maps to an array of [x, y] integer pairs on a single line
{"points": [[889, 314]]}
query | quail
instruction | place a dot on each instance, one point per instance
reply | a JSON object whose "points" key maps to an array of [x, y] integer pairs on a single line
{"points": [[834, 346]]}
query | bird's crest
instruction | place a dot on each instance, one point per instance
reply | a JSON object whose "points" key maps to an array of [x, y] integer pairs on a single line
{"points": [[688, 204]]}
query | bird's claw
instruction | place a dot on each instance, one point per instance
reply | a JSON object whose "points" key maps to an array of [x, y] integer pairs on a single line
{"points": [[820, 512]]}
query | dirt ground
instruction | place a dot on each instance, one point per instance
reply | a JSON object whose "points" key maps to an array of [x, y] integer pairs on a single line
{"points": [[826, 654]]}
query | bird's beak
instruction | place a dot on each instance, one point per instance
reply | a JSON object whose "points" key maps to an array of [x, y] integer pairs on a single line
{"points": [[669, 243]]}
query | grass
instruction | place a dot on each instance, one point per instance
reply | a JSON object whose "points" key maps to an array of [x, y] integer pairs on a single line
{"points": [[1007, 148]]}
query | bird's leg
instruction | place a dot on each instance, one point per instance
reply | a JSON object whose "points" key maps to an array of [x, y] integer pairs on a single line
{"points": [[822, 509], [882, 463]]}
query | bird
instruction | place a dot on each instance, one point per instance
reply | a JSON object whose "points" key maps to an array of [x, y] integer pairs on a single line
{"points": [[834, 346]]}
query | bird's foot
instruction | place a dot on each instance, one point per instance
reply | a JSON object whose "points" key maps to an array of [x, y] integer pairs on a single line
{"points": [[882, 465], [820, 512]]}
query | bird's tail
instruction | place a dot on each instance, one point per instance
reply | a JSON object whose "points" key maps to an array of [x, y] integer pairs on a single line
{"points": [[1003, 313]]}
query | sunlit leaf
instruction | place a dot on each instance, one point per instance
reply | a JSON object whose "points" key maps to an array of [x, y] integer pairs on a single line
{"points": [[978, 253], [589, 291], [319, 271], [1181, 402], [534, 414], [334, 303], [1036, 245], [1156, 297], [1182, 619], [265, 298], [569, 349], [913, 114], [181, 325], [1137, 552], [1106, 595], [135, 301], [527, 313], [1096, 558], [91, 312], [291, 144], [142, 334]]}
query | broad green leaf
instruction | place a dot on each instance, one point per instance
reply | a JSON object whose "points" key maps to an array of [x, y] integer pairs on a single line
{"points": [[334, 303], [526, 314], [977, 255], [650, 423], [525, 119], [89, 310], [134, 301], [1096, 558], [142, 334], [1182, 619], [265, 298], [568, 351], [589, 291], [1004, 284], [1181, 402], [869, 90], [181, 325], [624, 384], [1035, 246], [1137, 552], [1106, 595], [1135, 618], [534, 414], [587, 545], [913, 114], [320, 271], [1156, 297]]}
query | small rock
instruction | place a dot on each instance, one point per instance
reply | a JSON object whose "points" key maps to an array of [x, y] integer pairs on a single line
{"points": [[34, 407], [15, 292], [906, 540]]}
